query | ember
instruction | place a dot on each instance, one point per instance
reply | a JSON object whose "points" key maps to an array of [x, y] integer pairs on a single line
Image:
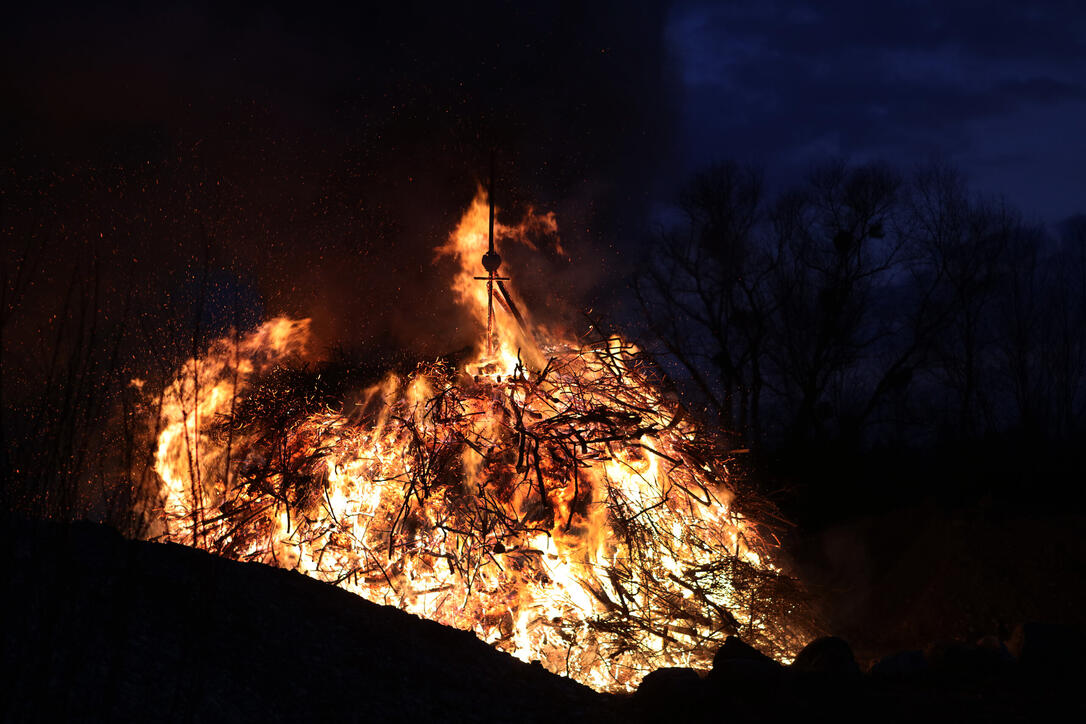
{"points": [[548, 495]]}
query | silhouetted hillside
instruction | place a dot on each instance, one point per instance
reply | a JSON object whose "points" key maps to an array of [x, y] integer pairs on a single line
{"points": [[102, 628], [106, 629]]}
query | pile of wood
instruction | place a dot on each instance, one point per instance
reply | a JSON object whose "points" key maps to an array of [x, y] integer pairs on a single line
{"points": [[473, 469]]}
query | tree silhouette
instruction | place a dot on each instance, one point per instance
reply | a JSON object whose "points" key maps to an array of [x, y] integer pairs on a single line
{"points": [[865, 307]]}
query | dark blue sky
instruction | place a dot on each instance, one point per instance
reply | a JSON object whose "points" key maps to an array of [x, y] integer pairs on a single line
{"points": [[631, 94], [358, 133], [998, 88]]}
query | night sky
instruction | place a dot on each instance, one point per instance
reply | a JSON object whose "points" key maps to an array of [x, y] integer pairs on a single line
{"points": [[998, 88], [325, 153], [173, 170]]}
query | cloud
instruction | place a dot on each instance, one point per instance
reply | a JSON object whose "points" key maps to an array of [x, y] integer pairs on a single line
{"points": [[328, 151], [778, 82]]}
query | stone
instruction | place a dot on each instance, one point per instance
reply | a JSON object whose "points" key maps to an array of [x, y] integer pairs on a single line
{"points": [[665, 693], [902, 666], [736, 648], [742, 672], [827, 655], [1048, 649], [668, 681], [961, 662]]}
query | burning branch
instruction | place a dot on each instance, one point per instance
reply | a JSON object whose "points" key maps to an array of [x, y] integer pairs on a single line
{"points": [[566, 511]]}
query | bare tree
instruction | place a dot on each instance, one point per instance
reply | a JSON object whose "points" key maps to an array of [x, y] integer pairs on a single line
{"points": [[704, 297], [1067, 312], [835, 352], [964, 243], [788, 302], [1041, 328]]}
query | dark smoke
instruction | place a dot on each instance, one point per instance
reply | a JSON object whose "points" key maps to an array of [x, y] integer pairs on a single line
{"points": [[244, 162]]}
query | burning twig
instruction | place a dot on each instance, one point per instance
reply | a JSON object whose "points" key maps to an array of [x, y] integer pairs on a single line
{"points": [[566, 509]]}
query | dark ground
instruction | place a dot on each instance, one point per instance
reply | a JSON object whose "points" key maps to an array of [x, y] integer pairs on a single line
{"points": [[905, 551], [916, 577], [105, 629], [100, 628]]}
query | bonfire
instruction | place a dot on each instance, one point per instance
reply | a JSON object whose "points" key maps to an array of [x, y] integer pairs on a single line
{"points": [[549, 494]]}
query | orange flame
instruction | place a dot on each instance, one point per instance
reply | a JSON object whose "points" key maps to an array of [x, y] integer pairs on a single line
{"points": [[449, 494]]}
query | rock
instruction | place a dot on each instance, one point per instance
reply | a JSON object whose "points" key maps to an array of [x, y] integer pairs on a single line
{"points": [[742, 672], [669, 679], [902, 666], [828, 655], [992, 644], [666, 691], [961, 662], [824, 678], [1048, 649], [106, 629], [736, 648], [996, 653]]}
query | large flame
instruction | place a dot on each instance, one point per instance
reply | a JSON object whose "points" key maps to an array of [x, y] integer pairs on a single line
{"points": [[550, 498]]}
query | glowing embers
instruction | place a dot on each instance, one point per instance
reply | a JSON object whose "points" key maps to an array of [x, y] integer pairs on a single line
{"points": [[562, 508]]}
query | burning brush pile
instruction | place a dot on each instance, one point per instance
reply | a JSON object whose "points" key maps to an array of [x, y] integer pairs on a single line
{"points": [[547, 495]]}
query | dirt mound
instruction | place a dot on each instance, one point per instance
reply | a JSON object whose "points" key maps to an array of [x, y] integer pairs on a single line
{"points": [[103, 628]]}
